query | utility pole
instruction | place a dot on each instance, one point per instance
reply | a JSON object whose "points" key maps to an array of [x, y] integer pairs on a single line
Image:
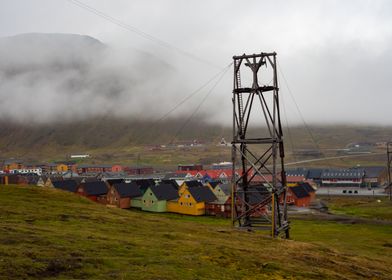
{"points": [[259, 188], [389, 159]]}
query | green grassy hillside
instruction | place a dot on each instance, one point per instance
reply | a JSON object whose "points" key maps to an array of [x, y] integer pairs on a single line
{"points": [[53, 234]]}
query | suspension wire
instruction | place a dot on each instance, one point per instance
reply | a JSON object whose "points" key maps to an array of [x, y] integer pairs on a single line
{"points": [[288, 128], [184, 100], [200, 104], [139, 32], [298, 109]]}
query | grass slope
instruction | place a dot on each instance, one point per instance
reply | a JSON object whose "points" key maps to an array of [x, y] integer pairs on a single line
{"points": [[52, 234], [367, 207]]}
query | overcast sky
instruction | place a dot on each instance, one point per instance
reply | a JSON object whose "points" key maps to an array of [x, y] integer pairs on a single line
{"points": [[335, 55]]}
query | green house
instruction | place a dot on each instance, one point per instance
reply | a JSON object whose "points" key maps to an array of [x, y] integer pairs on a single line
{"points": [[156, 197], [136, 202]]}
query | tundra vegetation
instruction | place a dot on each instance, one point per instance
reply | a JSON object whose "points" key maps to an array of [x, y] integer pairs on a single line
{"points": [[47, 233]]}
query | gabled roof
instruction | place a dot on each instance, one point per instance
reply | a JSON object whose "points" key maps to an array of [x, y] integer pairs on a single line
{"points": [[226, 188], [255, 197], [193, 183], [164, 192], [56, 178], [128, 190], [144, 184], [215, 183], [299, 191], [307, 187], [113, 181], [170, 182], [66, 185], [44, 178], [95, 188], [32, 179], [202, 194], [214, 174]]}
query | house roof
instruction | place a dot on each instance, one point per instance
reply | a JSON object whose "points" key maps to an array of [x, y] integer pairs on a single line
{"points": [[95, 188], [215, 183], [193, 183], [56, 178], [255, 197], [128, 189], [307, 187], [164, 192], [297, 172], [170, 182], [66, 185], [176, 176], [144, 184], [314, 173], [113, 181], [32, 179], [353, 173], [226, 188], [202, 194], [299, 191]]}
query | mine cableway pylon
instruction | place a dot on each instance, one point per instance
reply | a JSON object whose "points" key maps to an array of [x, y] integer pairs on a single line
{"points": [[258, 179], [389, 161]]}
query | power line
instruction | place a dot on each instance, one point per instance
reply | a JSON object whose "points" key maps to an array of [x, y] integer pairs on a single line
{"points": [[288, 128], [139, 32], [299, 111], [175, 107], [200, 104], [224, 70]]}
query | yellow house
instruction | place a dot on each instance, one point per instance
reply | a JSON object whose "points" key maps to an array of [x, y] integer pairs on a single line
{"points": [[192, 201], [61, 167], [188, 184]]}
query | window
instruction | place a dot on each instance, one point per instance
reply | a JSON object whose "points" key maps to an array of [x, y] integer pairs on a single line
{"points": [[144, 201], [180, 203], [150, 193], [190, 203]]}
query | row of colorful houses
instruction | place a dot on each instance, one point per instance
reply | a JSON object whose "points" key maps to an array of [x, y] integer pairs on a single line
{"points": [[192, 197]]}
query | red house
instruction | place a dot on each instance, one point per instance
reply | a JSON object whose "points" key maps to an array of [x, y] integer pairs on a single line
{"points": [[132, 170], [190, 167], [298, 196], [95, 191], [117, 168], [120, 195], [219, 209]]}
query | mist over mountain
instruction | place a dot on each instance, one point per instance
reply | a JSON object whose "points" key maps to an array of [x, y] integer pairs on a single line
{"points": [[68, 77]]}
